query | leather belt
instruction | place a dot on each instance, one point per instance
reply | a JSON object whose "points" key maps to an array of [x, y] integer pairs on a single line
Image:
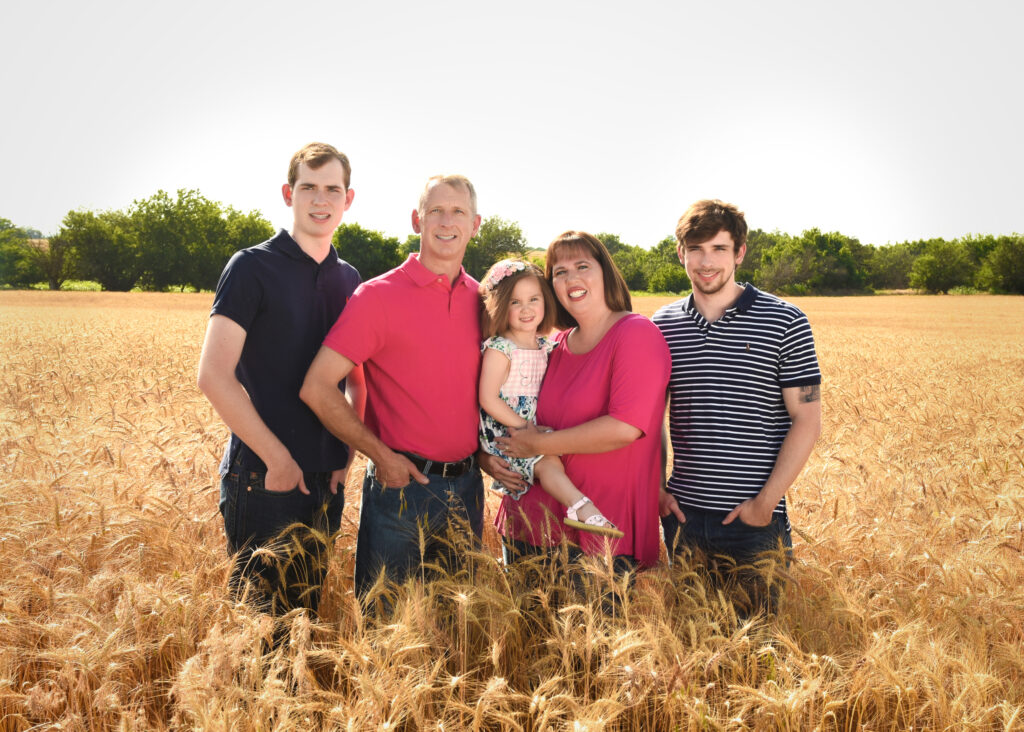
{"points": [[445, 470]]}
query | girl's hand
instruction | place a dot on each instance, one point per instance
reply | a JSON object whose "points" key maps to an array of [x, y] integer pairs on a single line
{"points": [[522, 443]]}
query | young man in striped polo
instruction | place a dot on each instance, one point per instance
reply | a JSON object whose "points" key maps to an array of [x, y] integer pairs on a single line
{"points": [[744, 409]]}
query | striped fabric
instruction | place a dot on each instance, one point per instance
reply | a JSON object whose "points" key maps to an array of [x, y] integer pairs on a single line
{"points": [[727, 418]]}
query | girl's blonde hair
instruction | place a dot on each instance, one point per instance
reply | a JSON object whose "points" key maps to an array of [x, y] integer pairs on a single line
{"points": [[496, 291]]}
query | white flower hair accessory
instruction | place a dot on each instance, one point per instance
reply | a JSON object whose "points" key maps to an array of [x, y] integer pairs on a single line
{"points": [[503, 269]]}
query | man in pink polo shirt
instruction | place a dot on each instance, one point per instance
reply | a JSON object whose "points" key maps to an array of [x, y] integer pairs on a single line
{"points": [[416, 332]]}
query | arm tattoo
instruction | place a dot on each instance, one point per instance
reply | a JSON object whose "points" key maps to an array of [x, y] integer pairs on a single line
{"points": [[810, 393]]}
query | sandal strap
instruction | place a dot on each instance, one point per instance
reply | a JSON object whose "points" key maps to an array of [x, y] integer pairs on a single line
{"points": [[573, 510]]}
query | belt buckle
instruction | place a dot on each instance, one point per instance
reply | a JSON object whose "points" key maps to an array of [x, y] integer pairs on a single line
{"points": [[444, 470]]}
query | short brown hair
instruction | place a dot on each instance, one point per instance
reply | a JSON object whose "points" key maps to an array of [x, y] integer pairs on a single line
{"points": [[496, 299], [314, 155], [616, 293], [704, 219], [455, 181]]}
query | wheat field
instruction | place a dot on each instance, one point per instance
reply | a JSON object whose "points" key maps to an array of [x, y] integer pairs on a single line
{"points": [[904, 607]]}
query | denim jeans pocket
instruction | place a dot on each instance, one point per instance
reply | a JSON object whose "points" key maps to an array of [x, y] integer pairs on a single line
{"points": [[257, 483], [750, 527]]}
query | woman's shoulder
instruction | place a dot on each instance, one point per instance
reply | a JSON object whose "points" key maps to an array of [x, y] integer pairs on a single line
{"points": [[634, 325], [637, 331]]}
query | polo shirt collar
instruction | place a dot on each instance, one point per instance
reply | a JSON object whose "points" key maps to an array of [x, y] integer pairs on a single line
{"points": [[745, 300], [422, 276], [286, 245], [742, 303]]}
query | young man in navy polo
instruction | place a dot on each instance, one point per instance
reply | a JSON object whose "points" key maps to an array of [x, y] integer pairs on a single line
{"points": [[282, 469], [745, 408]]}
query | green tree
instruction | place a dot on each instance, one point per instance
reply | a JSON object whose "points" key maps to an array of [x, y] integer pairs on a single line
{"points": [[182, 240], [665, 273], [758, 242], [943, 266], [495, 240], [187, 240], [888, 267], [105, 248], [632, 262], [15, 263], [52, 258], [409, 246], [1003, 268], [368, 251], [244, 230], [669, 278], [612, 242], [815, 262]]}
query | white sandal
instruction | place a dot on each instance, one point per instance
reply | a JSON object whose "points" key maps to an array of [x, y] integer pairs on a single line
{"points": [[596, 524]]}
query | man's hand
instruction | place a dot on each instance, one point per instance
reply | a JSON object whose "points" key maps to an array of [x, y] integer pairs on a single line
{"points": [[500, 471], [667, 504], [394, 470], [338, 480], [752, 512], [284, 476]]}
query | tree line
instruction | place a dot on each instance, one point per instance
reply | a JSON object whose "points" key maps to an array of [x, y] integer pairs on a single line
{"points": [[176, 242]]}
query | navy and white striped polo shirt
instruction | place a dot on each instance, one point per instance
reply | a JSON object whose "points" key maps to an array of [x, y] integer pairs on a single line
{"points": [[727, 416]]}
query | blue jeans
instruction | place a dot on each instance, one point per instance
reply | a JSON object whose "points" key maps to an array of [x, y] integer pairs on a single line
{"points": [[736, 556], [391, 519], [296, 530]]}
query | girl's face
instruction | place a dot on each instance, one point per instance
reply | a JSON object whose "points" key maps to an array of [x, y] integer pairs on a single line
{"points": [[526, 308]]}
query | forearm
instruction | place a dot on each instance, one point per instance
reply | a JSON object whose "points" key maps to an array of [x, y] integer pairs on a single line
{"points": [[336, 414], [496, 407], [603, 434], [793, 454]]}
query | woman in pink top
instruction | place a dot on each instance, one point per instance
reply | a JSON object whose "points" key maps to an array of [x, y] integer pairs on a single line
{"points": [[603, 398]]}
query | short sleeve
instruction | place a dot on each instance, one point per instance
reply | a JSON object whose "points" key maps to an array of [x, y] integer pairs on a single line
{"points": [[798, 361], [546, 344], [639, 374], [358, 333], [497, 343], [239, 292]]}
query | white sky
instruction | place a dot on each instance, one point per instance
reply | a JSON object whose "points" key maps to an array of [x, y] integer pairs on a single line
{"points": [[886, 121]]}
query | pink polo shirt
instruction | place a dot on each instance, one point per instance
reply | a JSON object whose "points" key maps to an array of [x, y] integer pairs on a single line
{"points": [[418, 338]]}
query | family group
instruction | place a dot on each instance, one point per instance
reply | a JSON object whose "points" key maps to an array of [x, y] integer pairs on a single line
{"points": [[544, 379]]}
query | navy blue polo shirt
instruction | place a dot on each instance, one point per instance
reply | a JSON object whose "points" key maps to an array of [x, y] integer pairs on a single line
{"points": [[286, 302]]}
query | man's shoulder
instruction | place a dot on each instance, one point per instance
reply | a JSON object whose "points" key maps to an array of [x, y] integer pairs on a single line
{"points": [[765, 303], [674, 312], [255, 254]]}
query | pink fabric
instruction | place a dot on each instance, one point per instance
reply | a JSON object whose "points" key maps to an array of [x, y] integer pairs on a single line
{"points": [[525, 373], [419, 341], [624, 376]]}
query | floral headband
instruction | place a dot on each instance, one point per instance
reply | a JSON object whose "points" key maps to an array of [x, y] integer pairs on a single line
{"points": [[503, 269]]}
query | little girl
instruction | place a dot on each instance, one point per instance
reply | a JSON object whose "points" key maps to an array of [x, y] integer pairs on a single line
{"points": [[518, 303]]}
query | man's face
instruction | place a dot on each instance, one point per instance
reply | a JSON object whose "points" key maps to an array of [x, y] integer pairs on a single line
{"points": [[446, 223], [711, 265], [319, 199]]}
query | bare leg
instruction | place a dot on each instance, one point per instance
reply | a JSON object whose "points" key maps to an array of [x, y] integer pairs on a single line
{"points": [[551, 474]]}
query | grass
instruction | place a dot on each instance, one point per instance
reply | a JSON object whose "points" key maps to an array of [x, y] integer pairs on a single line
{"points": [[905, 606]]}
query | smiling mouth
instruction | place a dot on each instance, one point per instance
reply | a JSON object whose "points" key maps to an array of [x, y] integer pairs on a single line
{"points": [[576, 294], [320, 216]]}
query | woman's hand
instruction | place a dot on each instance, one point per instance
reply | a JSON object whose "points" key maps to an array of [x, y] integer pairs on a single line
{"points": [[524, 442]]}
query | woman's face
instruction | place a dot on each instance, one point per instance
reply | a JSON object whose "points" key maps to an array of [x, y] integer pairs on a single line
{"points": [[578, 282]]}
